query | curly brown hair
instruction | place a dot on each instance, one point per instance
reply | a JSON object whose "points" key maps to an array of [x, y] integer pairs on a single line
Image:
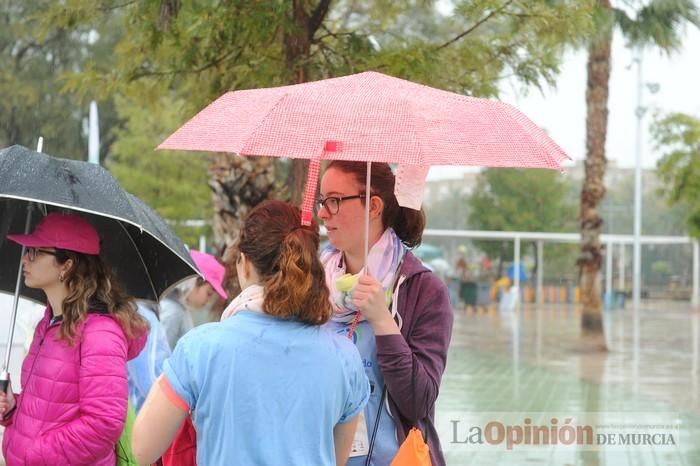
{"points": [[285, 255], [90, 282]]}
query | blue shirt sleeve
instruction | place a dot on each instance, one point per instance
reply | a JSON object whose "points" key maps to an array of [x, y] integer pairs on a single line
{"points": [[357, 384], [180, 369]]}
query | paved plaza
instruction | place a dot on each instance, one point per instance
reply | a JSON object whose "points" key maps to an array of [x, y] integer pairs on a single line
{"points": [[505, 366], [502, 364]]}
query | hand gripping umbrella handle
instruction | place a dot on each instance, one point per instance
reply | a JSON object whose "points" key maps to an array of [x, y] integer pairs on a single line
{"points": [[4, 381], [5, 376]]}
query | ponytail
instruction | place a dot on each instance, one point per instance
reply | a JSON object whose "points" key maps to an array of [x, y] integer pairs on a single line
{"points": [[298, 287], [285, 255], [409, 225]]}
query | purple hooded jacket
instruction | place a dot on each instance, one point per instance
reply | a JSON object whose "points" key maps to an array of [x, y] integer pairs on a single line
{"points": [[424, 306]]}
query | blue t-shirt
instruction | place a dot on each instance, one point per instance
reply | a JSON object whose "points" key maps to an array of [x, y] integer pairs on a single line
{"points": [[386, 444], [267, 391]]}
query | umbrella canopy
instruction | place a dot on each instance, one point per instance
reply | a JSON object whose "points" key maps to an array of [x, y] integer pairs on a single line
{"points": [[368, 117], [522, 274], [136, 242]]}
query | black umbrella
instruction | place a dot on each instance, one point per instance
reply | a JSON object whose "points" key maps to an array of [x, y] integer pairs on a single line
{"points": [[137, 243]]}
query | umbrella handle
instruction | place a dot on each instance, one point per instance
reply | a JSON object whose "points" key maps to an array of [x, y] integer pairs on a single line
{"points": [[4, 381]]}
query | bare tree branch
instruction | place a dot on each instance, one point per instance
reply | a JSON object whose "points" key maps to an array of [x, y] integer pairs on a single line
{"points": [[476, 25], [104, 7], [335, 35], [206, 66], [318, 16]]}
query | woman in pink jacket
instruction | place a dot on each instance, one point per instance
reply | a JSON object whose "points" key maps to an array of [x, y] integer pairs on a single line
{"points": [[73, 403]]}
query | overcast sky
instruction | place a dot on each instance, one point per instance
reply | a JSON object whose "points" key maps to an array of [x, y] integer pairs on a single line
{"points": [[562, 110]]}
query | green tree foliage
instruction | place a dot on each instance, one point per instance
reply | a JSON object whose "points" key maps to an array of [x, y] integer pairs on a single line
{"points": [[35, 54], [31, 58], [200, 49], [658, 217], [467, 52], [520, 200], [678, 136], [657, 23], [450, 213], [203, 48], [175, 184], [185, 54]]}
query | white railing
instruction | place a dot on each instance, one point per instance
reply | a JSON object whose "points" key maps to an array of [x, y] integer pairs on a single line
{"points": [[609, 240]]}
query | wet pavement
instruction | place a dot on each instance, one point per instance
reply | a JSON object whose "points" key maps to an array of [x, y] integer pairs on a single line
{"points": [[506, 367]]}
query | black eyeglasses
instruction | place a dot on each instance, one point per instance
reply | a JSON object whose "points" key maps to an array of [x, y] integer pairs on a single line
{"points": [[33, 252], [332, 203]]}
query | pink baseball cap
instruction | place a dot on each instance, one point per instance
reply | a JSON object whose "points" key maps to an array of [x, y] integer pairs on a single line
{"points": [[212, 270], [62, 231]]}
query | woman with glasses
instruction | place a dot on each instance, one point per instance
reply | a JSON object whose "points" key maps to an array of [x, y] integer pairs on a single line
{"points": [[398, 313], [73, 403], [267, 385]]}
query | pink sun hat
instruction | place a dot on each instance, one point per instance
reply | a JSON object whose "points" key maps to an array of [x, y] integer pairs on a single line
{"points": [[212, 270], [62, 231]]}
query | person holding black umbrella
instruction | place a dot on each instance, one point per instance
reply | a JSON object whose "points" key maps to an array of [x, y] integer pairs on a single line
{"points": [[73, 403]]}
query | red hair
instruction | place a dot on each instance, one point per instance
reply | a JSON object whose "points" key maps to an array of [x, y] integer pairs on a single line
{"points": [[285, 255]]}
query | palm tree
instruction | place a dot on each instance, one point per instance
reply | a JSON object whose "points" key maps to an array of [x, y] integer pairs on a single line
{"points": [[657, 23], [238, 184]]}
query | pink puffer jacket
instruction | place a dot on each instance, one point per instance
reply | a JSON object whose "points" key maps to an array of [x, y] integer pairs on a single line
{"points": [[74, 398]]}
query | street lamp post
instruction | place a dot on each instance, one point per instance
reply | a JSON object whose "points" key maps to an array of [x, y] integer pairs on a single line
{"points": [[93, 135], [637, 246]]}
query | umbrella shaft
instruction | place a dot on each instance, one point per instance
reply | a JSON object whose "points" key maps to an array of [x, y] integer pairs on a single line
{"points": [[15, 302], [13, 320], [368, 191]]}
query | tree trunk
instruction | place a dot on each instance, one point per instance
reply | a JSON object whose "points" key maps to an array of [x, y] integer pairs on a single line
{"points": [[238, 184], [297, 49], [593, 189], [296, 180]]}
